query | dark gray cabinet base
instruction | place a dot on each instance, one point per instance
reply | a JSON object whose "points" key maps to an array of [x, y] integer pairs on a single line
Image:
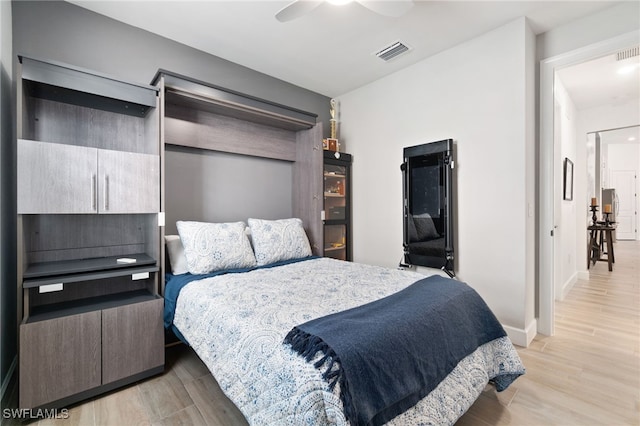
{"points": [[64, 360], [132, 339], [59, 358]]}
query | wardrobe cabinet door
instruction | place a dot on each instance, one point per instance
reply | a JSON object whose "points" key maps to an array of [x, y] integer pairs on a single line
{"points": [[132, 339], [59, 358], [129, 182], [56, 178]]}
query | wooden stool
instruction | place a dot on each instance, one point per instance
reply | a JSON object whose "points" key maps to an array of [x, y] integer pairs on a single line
{"points": [[598, 233]]}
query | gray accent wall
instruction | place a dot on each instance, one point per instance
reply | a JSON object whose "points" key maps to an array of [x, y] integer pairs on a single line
{"points": [[199, 183]]}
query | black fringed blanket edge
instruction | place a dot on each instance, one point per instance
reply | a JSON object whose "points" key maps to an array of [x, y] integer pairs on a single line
{"points": [[389, 354]]}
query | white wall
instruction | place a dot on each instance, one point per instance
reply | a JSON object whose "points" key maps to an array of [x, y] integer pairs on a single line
{"points": [[608, 117], [566, 120], [609, 23], [479, 93]]}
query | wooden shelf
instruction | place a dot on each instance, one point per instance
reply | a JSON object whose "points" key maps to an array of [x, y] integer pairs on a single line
{"points": [[333, 195], [74, 307], [78, 86], [196, 95], [45, 273]]}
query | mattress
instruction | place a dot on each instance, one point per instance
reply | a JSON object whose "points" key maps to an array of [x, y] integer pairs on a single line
{"points": [[236, 323]]}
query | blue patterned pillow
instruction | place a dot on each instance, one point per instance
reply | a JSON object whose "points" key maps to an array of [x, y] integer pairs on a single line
{"points": [[277, 240], [212, 247]]}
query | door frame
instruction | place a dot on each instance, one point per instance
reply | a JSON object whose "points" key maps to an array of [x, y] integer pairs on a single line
{"points": [[547, 177]]}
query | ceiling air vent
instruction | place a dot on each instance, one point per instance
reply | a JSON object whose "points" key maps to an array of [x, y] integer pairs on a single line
{"points": [[392, 51], [628, 53]]}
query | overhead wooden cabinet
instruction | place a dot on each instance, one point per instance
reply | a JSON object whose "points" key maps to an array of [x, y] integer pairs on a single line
{"points": [[88, 233], [56, 178], [128, 182], [59, 178]]}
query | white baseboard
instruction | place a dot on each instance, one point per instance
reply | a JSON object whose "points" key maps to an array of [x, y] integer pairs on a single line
{"points": [[522, 337], [7, 378], [567, 286]]}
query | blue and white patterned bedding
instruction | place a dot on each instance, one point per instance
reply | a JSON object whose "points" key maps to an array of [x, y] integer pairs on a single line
{"points": [[236, 323]]}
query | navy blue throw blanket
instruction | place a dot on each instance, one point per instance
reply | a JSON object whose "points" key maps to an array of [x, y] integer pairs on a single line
{"points": [[389, 354]]}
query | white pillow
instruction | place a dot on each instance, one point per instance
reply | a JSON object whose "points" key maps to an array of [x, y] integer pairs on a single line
{"points": [[277, 240], [212, 247], [177, 259]]}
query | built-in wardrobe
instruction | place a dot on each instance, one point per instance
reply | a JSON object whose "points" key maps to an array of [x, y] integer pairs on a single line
{"points": [[88, 198], [200, 119]]}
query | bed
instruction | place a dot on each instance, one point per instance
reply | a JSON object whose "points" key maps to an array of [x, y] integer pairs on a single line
{"points": [[236, 317]]}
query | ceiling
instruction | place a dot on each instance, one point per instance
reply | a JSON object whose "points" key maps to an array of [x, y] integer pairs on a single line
{"points": [[332, 49], [624, 135], [603, 81]]}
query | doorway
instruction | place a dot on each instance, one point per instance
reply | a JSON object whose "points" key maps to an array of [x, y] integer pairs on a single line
{"points": [[618, 169], [549, 254]]}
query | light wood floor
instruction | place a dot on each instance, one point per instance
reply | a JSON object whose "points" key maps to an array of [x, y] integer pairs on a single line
{"points": [[587, 374]]}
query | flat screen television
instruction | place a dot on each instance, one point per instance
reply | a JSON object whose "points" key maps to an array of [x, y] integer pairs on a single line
{"points": [[428, 205]]}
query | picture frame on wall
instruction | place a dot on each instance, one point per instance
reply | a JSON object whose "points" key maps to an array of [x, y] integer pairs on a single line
{"points": [[568, 179]]}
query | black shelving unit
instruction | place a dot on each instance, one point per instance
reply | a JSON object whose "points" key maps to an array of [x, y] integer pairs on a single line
{"points": [[336, 213]]}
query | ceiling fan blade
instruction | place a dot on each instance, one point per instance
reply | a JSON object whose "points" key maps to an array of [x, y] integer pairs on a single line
{"points": [[297, 9], [392, 8]]}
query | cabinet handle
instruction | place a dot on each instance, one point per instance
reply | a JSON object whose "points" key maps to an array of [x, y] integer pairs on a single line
{"points": [[106, 192], [94, 192]]}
